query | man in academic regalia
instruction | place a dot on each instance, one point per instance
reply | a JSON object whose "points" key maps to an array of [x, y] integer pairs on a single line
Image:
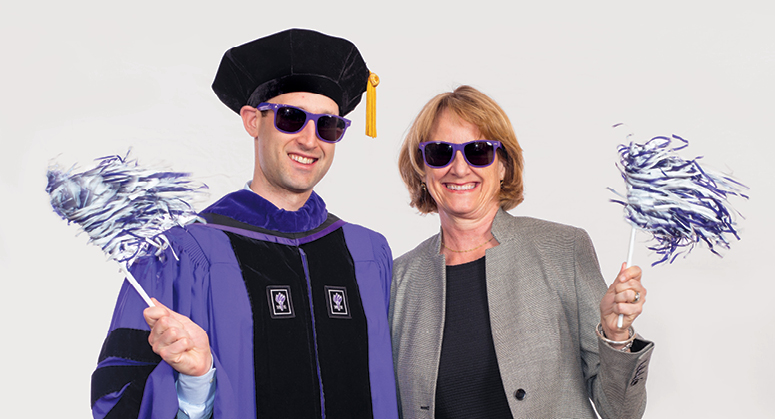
{"points": [[274, 307]]}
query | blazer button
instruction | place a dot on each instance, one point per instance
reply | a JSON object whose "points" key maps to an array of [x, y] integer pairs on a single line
{"points": [[520, 394]]}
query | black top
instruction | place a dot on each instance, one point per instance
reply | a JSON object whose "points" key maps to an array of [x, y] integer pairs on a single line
{"points": [[469, 383]]}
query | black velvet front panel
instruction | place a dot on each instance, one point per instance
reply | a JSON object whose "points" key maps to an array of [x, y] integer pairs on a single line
{"points": [[342, 342], [287, 384], [293, 352]]}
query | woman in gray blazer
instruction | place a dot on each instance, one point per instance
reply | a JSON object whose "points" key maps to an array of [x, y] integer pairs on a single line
{"points": [[500, 316]]}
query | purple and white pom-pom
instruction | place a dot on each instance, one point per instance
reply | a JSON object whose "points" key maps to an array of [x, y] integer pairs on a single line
{"points": [[676, 200], [123, 207]]}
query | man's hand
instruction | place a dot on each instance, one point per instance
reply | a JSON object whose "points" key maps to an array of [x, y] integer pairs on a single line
{"points": [[179, 341]]}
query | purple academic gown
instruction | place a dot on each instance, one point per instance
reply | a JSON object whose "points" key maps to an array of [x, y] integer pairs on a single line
{"points": [[295, 306]]}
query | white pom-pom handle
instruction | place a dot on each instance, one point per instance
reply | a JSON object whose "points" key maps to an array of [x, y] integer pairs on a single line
{"points": [[136, 285], [620, 320]]}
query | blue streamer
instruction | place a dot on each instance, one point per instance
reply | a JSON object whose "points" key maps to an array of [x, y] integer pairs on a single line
{"points": [[676, 200]]}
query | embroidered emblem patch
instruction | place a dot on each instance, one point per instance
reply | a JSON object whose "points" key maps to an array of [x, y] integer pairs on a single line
{"points": [[338, 305], [280, 302]]}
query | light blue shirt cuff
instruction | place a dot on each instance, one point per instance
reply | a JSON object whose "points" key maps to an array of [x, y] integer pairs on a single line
{"points": [[196, 395]]}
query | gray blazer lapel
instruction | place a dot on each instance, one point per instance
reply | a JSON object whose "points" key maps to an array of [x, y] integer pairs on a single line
{"points": [[417, 317], [508, 285]]}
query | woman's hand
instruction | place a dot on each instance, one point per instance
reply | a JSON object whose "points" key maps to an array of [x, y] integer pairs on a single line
{"points": [[626, 296], [178, 340]]}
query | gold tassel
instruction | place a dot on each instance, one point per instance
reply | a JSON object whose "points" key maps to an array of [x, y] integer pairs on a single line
{"points": [[371, 105]]}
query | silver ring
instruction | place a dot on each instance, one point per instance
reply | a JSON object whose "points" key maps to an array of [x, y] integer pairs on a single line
{"points": [[637, 297]]}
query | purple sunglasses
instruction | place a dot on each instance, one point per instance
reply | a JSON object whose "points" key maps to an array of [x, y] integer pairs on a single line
{"points": [[478, 153], [290, 120]]}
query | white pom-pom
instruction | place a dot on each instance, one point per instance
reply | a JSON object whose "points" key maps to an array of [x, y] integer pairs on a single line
{"points": [[124, 208], [676, 200]]}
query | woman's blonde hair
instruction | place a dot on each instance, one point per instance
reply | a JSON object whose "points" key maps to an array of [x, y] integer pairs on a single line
{"points": [[475, 108]]}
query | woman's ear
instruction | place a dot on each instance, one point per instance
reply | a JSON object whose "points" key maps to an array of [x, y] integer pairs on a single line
{"points": [[250, 120]]}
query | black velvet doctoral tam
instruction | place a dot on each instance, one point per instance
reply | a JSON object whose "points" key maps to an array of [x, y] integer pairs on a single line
{"points": [[294, 60]]}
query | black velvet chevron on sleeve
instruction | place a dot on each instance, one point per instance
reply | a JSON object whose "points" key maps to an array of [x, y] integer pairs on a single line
{"points": [[129, 344]]}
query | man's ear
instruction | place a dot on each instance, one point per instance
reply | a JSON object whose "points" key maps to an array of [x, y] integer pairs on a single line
{"points": [[250, 119]]}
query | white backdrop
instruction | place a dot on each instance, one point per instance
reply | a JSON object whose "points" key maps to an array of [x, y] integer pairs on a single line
{"points": [[81, 80]]}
